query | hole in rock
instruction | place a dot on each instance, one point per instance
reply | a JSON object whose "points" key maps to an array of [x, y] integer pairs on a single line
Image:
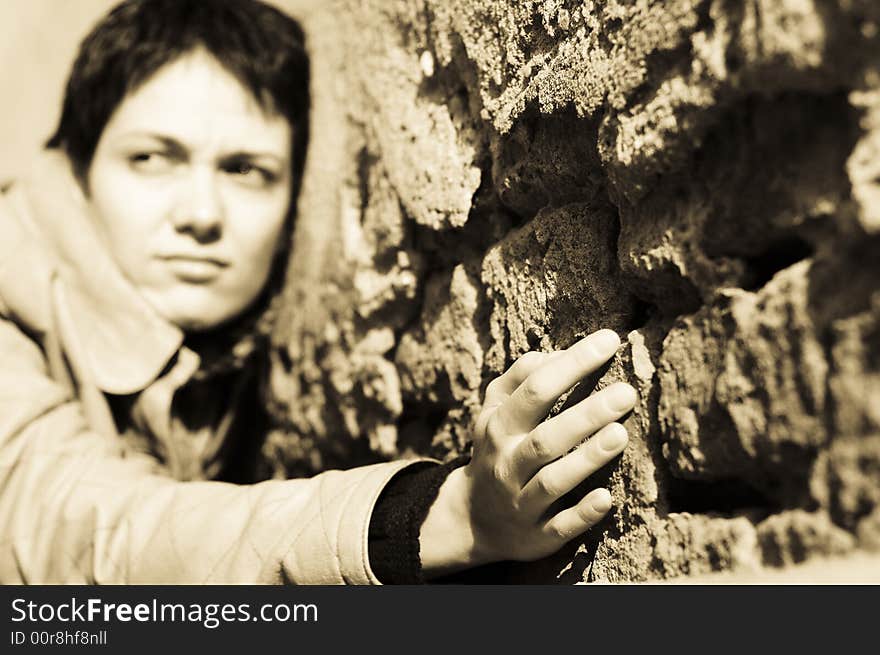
{"points": [[719, 496], [779, 255], [417, 426], [641, 314]]}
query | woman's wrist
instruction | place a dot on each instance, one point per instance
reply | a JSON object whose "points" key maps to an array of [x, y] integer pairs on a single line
{"points": [[448, 541], [397, 519]]}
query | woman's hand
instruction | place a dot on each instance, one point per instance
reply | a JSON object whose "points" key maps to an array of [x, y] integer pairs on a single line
{"points": [[496, 507]]}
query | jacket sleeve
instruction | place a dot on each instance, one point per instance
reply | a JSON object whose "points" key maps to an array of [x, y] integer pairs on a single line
{"points": [[77, 507]]}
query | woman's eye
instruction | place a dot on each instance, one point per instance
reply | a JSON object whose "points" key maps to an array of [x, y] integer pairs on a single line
{"points": [[249, 173], [150, 162], [242, 169]]}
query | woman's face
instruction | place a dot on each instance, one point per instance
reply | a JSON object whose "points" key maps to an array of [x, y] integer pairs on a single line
{"points": [[190, 185]]}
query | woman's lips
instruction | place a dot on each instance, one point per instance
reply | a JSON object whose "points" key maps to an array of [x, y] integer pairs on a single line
{"points": [[194, 269]]}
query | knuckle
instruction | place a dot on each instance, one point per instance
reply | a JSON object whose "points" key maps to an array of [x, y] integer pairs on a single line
{"points": [[495, 430], [591, 414], [586, 515], [522, 366], [530, 360], [591, 458], [499, 473], [556, 531], [584, 355], [546, 485], [492, 387], [538, 447], [534, 390], [481, 425]]}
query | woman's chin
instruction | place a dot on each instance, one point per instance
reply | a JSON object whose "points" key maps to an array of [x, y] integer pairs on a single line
{"points": [[199, 321], [191, 325], [194, 312]]}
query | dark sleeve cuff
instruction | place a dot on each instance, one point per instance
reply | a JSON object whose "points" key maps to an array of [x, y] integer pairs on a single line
{"points": [[398, 517]]}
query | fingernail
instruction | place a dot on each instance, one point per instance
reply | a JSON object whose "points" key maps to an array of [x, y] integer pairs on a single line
{"points": [[621, 397], [605, 341], [602, 503], [612, 437]]}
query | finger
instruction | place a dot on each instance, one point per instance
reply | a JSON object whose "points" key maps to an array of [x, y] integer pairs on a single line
{"points": [[506, 383], [571, 522], [556, 436], [563, 475], [530, 402]]}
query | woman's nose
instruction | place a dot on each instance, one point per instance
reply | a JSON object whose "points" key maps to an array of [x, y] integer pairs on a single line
{"points": [[199, 210]]}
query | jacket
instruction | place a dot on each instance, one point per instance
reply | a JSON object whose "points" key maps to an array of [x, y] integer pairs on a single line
{"points": [[82, 503]]}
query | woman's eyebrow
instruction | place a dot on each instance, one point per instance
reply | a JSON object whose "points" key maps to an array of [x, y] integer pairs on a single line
{"points": [[256, 155], [171, 144], [177, 148]]}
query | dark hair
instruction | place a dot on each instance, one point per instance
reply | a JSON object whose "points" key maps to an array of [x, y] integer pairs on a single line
{"points": [[261, 46]]}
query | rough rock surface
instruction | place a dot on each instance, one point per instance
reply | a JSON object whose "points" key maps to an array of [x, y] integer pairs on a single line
{"points": [[489, 177]]}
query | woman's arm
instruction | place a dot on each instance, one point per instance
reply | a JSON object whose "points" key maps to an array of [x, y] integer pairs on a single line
{"points": [[76, 507]]}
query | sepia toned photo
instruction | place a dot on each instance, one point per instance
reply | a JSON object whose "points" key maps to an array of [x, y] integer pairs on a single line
{"points": [[468, 292]]}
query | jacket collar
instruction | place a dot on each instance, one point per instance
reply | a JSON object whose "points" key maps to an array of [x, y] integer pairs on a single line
{"points": [[125, 343]]}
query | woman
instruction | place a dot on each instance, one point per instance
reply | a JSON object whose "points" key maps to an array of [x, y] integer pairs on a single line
{"points": [[139, 265]]}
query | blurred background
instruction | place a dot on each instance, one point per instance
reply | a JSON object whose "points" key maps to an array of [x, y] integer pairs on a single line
{"points": [[38, 40]]}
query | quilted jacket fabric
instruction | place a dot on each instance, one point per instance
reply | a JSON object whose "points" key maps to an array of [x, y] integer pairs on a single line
{"points": [[78, 502]]}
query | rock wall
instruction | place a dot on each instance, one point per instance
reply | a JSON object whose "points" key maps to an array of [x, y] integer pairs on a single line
{"points": [[489, 177]]}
